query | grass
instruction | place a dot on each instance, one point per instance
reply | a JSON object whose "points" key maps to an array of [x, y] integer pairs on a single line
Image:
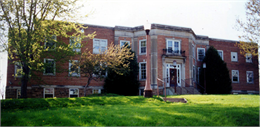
{"points": [[201, 110]]}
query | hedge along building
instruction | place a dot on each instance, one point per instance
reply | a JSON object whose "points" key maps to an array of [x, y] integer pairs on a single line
{"points": [[175, 57]]}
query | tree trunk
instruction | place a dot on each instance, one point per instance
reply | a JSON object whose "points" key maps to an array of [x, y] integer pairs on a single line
{"points": [[85, 89], [24, 80]]}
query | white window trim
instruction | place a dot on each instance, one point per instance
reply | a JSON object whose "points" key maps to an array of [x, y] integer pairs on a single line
{"points": [[94, 75], [99, 91], [44, 92], [247, 77], [77, 39], [198, 53], [54, 44], [140, 76], [18, 92], [173, 40], [99, 52], [234, 53], [193, 51], [15, 69], [124, 41], [140, 46], [73, 94], [73, 74], [237, 76], [54, 68], [249, 55], [222, 54]]}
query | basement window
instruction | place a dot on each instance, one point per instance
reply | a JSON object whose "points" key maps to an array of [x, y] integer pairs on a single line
{"points": [[74, 92], [48, 93]]}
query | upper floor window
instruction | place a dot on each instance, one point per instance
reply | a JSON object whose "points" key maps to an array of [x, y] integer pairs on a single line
{"points": [[142, 47], [249, 77], [50, 42], [142, 70], [248, 58], [75, 44], [220, 52], [234, 56], [99, 45], [50, 67], [74, 70], [235, 76], [18, 70], [200, 53], [123, 42], [173, 46]]}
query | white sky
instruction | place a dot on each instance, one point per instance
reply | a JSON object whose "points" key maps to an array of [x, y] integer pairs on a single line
{"points": [[213, 18]]}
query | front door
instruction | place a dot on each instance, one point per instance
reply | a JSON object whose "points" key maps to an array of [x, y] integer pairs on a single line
{"points": [[173, 77]]}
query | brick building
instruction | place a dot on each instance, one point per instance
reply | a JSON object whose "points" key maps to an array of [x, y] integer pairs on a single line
{"points": [[168, 44]]}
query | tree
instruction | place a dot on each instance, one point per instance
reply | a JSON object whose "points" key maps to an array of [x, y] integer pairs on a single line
{"points": [[217, 74], [126, 84], [94, 66], [34, 33], [249, 41]]}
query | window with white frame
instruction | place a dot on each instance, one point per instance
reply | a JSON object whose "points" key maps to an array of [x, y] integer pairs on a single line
{"points": [[48, 92], [123, 42], [173, 46], [18, 70], [220, 52], [142, 70], [50, 42], [74, 92], [99, 45], [74, 69], [18, 93], [234, 56], [75, 43], [248, 58], [249, 76], [100, 70], [49, 67], [200, 54], [96, 91], [235, 76], [142, 47]]}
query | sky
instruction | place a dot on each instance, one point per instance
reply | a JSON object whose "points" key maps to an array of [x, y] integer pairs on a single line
{"points": [[213, 18]]}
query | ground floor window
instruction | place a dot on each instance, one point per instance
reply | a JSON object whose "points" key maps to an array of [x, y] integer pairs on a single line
{"points": [[74, 92], [141, 92], [48, 93], [249, 77], [235, 76]]}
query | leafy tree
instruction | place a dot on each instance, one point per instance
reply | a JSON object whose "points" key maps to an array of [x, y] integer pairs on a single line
{"points": [[217, 74], [126, 84], [94, 66], [249, 41], [31, 25]]}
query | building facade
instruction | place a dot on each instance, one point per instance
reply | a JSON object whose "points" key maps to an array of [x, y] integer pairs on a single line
{"points": [[168, 44]]}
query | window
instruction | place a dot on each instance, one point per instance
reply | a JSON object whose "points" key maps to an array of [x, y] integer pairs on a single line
{"points": [[200, 53], [75, 43], [74, 69], [122, 43], [193, 51], [49, 67], [173, 46], [248, 58], [235, 76], [142, 47], [99, 45], [18, 93], [50, 42], [220, 52], [96, 91], [142, 70], [74, 92], [234, 56], [249, 77], [100, 70], [48, 93], [18, 70], [199, 74]]}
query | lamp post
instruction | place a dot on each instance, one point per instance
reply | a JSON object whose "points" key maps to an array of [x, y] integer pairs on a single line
{"points": [[204, 68], [147, 90]]}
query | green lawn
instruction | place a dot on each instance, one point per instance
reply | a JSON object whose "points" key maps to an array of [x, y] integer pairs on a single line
{"points": [[201, 110]]}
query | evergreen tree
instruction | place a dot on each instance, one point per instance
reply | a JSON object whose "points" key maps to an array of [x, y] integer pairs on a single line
{"points": [[125, 84], [217, 74]]}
